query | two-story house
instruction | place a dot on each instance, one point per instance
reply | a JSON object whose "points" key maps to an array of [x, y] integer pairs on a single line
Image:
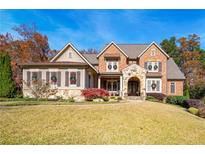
{"points": [[121, 69]]}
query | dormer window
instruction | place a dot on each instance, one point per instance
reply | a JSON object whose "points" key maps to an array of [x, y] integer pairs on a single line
{"points": [[153, 66], [112, 66]]}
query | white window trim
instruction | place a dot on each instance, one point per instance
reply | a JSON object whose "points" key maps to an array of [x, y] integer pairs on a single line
{"points": [[112, 63], [160, 85], [153, 64], [174, 88], [72, 85], [111, 85]]}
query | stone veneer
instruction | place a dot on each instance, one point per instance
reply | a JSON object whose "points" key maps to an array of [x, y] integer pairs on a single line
{"points": [[134, 70]]}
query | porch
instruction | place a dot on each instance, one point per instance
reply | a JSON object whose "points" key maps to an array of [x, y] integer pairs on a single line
{"points": [[111, 82], [114, 84]]}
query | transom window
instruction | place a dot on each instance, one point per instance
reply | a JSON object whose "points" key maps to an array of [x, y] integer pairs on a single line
{"points": [[112, 66], [172, 87], [73, 79], [153, 66], [153, 85]]}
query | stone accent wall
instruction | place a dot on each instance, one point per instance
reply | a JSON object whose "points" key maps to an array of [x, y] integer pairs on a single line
{"points": [[64, 93], [112, 49], [134, 70], [178, 87], [159, 56]]}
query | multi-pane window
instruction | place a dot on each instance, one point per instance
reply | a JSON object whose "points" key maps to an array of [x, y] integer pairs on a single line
{"points": [[153, 66], [172, 87], [34, 76], [153, 85], [73, 78], [54, 77], [112, 85], [112, 66]]}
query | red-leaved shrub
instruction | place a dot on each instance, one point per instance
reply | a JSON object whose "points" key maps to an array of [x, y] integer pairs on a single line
{"points": [[92, 93], [158, 96]]}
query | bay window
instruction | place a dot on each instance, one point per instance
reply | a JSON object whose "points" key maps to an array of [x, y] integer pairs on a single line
{"points": [[153, 85]]}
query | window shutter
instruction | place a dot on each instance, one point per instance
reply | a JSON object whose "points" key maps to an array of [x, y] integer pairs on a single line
{"points": [[160, 66], [59, 79], [66, 78], [145, 65], [158, 86], [47, 77], [149, 85], [78, 79], [28, 78]]}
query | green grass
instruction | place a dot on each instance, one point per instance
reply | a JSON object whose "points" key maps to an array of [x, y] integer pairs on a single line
{"points": [[119, 123]]}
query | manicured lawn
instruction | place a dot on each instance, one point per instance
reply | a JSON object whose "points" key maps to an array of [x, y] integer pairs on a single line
{"points": [[120, 123]]}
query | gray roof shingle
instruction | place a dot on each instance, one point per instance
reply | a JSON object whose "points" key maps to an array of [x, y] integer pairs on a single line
{"points": [[91, 57], [173, 71], [133, 50]]}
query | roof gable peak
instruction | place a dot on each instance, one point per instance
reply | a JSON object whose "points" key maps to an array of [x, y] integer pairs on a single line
{"points": [[112, 43], [154, 43]]}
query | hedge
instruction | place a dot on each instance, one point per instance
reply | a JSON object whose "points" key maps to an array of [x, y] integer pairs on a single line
{"points": [[177, 100]]}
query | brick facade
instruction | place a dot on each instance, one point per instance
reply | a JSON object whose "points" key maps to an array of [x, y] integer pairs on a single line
{"points": [[178, 87], [153, 53], [112, 49], [158, 56]]}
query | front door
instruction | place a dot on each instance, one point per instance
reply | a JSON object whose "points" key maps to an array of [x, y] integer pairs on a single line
{"points": [[133, 88]]}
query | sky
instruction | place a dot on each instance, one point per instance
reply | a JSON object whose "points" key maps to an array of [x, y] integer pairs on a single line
{"points": [[95, 28]]}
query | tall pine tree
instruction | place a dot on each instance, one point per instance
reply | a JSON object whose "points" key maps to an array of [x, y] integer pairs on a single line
{"points": [[7, 87]]}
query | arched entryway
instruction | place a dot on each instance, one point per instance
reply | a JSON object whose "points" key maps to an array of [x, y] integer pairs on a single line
{"points": [[133, 87]]}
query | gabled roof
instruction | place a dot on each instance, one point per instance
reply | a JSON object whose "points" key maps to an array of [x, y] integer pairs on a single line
{"points": [[153, 43], [112, 43], [64, 49], [173, 71]]}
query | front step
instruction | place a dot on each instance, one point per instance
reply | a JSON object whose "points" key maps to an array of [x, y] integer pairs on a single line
{"points": [[133, 98]]}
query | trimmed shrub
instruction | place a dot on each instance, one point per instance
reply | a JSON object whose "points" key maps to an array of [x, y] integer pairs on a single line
{"points": [[196, 103], [176, 100], [193, 110], [93, 93], [71, 99], [158, 96], [119, 98], [151, 98], [106, 99], [202, 112]]}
